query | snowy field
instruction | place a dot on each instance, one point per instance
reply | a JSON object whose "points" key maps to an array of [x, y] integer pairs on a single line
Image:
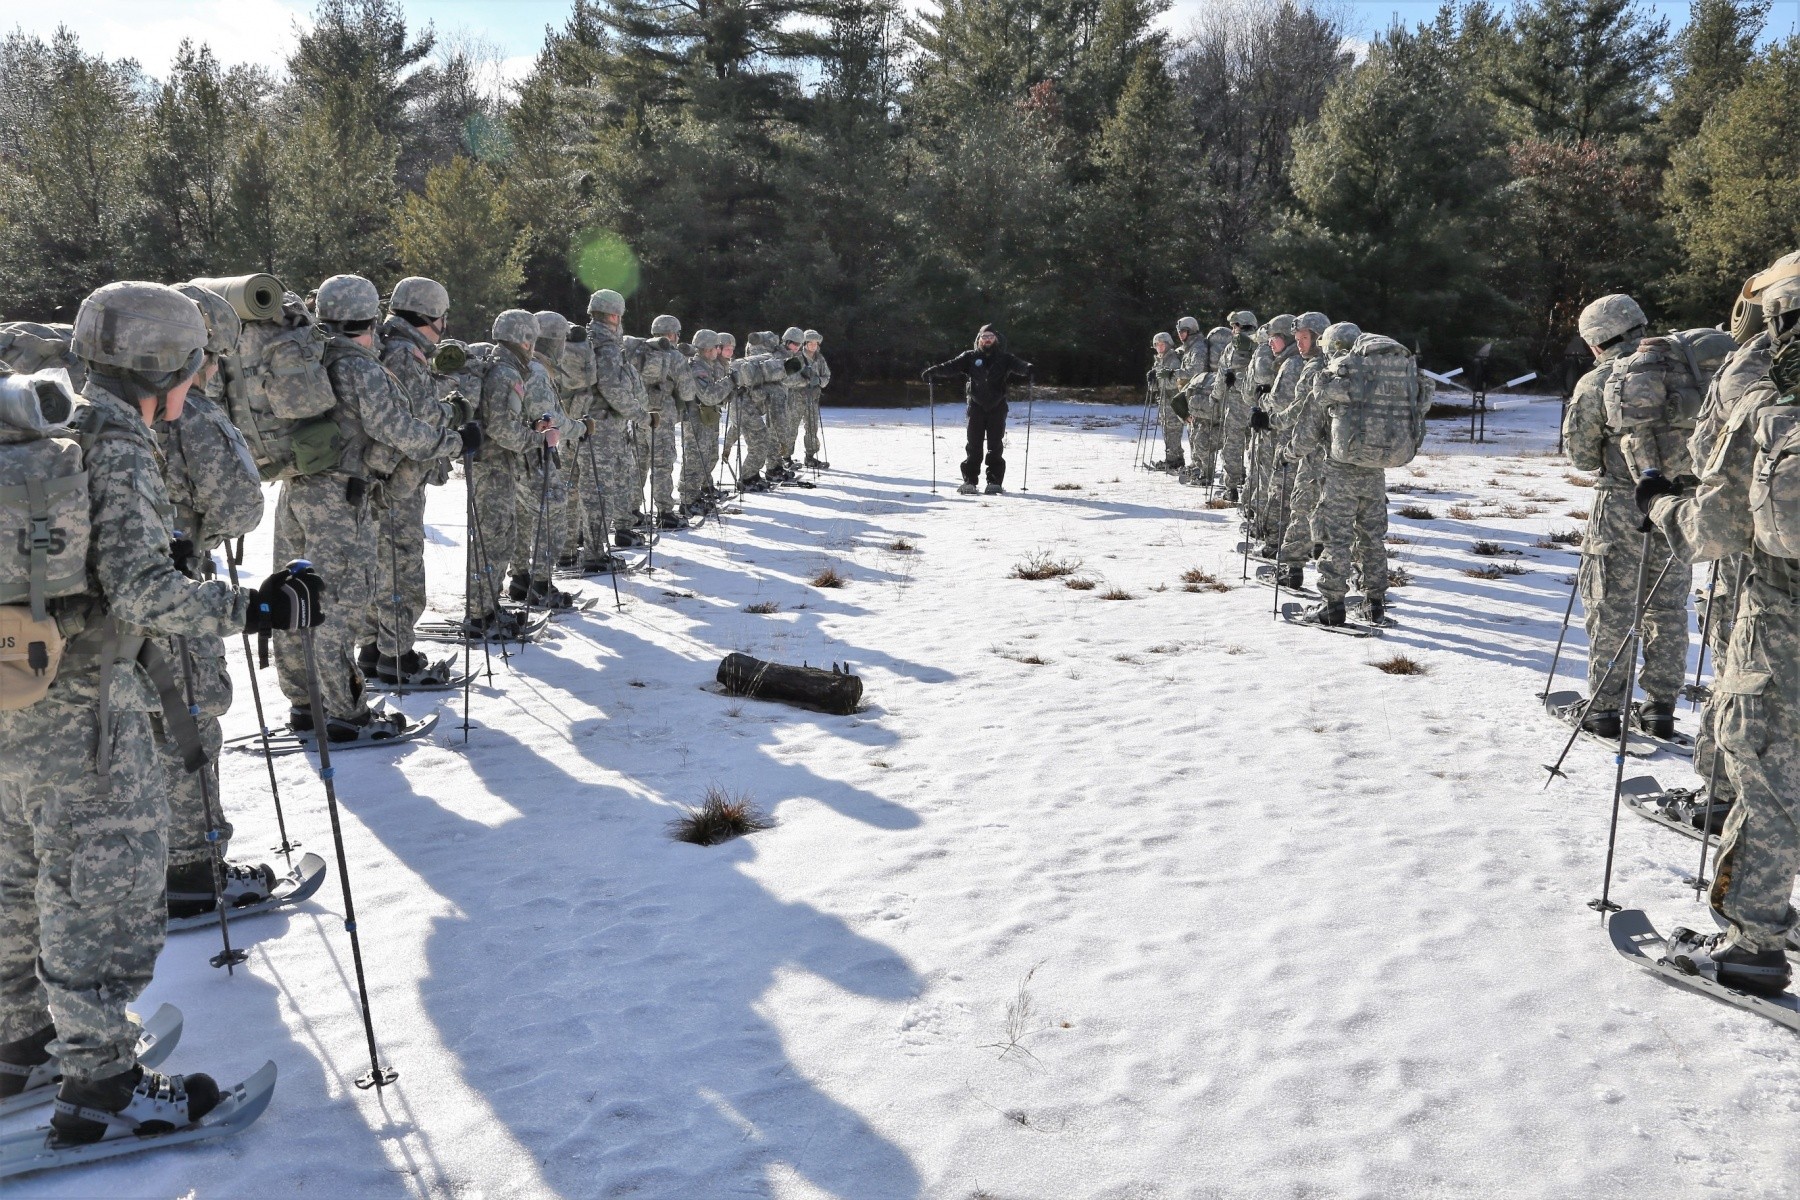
{"points": [[1138, 898]]}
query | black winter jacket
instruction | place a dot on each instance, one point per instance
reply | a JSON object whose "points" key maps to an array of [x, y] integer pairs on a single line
{"points": [[987, 371]]}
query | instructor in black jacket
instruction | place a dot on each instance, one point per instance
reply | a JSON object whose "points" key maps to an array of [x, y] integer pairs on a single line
{"points": [[988, 368]]}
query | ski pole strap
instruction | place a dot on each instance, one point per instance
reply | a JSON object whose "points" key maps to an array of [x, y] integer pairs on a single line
{"points": [[177, 718]]}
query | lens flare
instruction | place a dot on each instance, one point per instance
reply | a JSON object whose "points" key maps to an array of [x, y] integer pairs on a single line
{"points": [[603, 260]]}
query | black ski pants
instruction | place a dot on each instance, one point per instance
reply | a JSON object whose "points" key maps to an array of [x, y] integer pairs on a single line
{"points": [[986, 423]]}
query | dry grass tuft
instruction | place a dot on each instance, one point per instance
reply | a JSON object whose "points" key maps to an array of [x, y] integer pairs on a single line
{"points": [[1488, 549], [901, 545], [1579, 514], [1195, 580], [1400, 664], [1415, 512], [1217, 502], [1065, 487], [1560, 537], [1079, 583], [719, 818], [1399, 577], [1518, 512], [1579, 480], [1460, 512], [830, 577], [1116, 593], [1042, 566], [763, 606], [1394, 539], [1494, 570]]}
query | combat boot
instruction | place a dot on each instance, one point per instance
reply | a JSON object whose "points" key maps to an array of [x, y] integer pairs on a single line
{"points": [[968, 488], [188, 890], [1294, 577], [1603, 724], [1657, 718], [135, 1102], [1716, 957], [1374, 610], [629, 537], [366, 657], [27, 1063], [1331, 612], [517, 586]]}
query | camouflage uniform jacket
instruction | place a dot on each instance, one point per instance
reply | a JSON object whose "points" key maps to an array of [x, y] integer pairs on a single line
{"points": [[1747, 364], [211, 478], [1306, 422], [817, 374], [667, 381], [506, 417], [407, 356], [1193, 376], [1592, 447], [1168, 374], [1232, 375], [375, 417], [575, 379], [130, 576], [1282, 394], [712, 381], [616, 381]]}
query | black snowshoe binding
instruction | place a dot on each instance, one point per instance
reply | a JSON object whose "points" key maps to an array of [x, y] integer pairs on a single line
{"points": [[567, 561], [1655, 717], [134, 1103], [27, 1063], [669, 520], [603, 565], [1331, 613], [753, 483], [517, 587], [500, 625], [1603, 724], [626, 538], [300, 720], [1690, 807], [817, 464], [544, 594], [414, 670], [1715, 957], [371, 726], [1293, 577], [189, 888], [1374, 612]]}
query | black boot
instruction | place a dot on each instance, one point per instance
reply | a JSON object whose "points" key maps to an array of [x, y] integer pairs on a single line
{"points": [[1374, 610], [1329, 613], [137, 1101], [26, 1063], [629, 537], [300, 719], [366, 657], [1602, 724], [1657, 718], [189, 889], [517, 586], [1294, 577], [1716, 957]]}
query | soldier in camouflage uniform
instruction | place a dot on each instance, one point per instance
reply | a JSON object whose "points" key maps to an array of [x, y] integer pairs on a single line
{"points": [[1234, 390], [1748, 503], [1277, 369], [711, 378], [721, 448], [1302, 403], [668, 385], [757, 408], [575, 386], [414, 326], [83, 819], [216, 493], [1165, 370], [1613, 545], [619, 403], [1351, 517], [529, 426], [328, 520], [818, 378], [1200, 357]]}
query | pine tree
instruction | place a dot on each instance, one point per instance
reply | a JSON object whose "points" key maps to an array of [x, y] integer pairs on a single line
{"points": [[459, 233], [248, 228], [358, 57], [1709, 61], [335, 197], [1580, 70]]}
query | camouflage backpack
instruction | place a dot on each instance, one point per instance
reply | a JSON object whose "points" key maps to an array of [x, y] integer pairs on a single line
{"points": [[1378, 410], [1775, 480], [279, 397], [28, 347], [1653, 396]]}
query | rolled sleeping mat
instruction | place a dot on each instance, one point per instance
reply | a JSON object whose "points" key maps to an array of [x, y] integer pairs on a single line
{"points": [[255, 297], [833, 691]]}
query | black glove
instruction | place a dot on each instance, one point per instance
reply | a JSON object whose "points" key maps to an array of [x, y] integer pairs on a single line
{"points": [[578, 333], [1784, 370], [1230, 378], [472, 437], [1653, 484], [1259, 420], [460, 411], [181, 549], [287, 600]]}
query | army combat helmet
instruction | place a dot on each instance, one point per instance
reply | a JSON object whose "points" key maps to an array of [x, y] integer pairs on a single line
{"points": [[1609, 320], [420, 297], [145, 339], [606, 301], [223, 325], [1339, 337], [347, 300]]}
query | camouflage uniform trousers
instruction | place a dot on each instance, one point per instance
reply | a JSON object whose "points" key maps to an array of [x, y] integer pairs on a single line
{"points": [[1298, 540], [1173, 427], [82, 861], [810, 421], [1204, 438], [399, 599], [615, 458], [1351, 519], [538, 519], [1708, 763], [1234, 437], [750, 420], [567, 534], [1610, 551], [1269, 485], [189, 818], [699, 447], [494, 479], [654, 456], [1759, 735], [317, 521], [779, 437]]}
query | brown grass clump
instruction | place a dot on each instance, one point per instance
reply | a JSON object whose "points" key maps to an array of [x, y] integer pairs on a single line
{"points": [[1065, 487], [1579, 514], [1400, 664], [1579, 480], [1399, 577], [1394, 539], [1079, 583], [1116, 593], [1488, 549], [1219, 502], [830, 577], [1195, 580], [1042, 566], [901, 545], [763, 606], [719, 818], [1494, 570], [1460, 512], [1415, 512], [1562, 537], [1518, 512]]}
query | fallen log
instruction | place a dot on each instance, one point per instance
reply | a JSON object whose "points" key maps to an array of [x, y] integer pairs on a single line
{"points": [[833, 691]]}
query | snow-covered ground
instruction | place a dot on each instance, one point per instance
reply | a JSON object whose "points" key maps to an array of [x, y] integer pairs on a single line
{"points": [[1154, 897]]}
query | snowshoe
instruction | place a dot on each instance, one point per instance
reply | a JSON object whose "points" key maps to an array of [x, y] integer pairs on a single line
{"points": [[1329, 613], [189, 889], [416, 673], [817, 464], [968, 488], [544, 594], [753, 483], [375, 727], [1716, 957], [29, 1075], [626, 538], [299, 884], [603, 566], [1637, 939], [993, 489], [132, 1103], [1603, 724], [669, 520], [1569, 706], [1685, 810], [1319, 617]]}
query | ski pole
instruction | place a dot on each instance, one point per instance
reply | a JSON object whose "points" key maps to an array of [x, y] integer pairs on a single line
{"points": [[1712, 582], [468, 600], [600, 491], [1030, 399], [1555, 769], [547, 453], [655, 522], [1561, 634], [287, 847], [1247, 507], [1712, 792], [931, 405], [1287, 500], [478, 541], [377, 1075], [227, 957], [824, 450], [1633, 638]]}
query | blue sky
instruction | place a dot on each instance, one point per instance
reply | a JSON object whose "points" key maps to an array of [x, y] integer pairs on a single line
{"points": [[261, 30]]}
